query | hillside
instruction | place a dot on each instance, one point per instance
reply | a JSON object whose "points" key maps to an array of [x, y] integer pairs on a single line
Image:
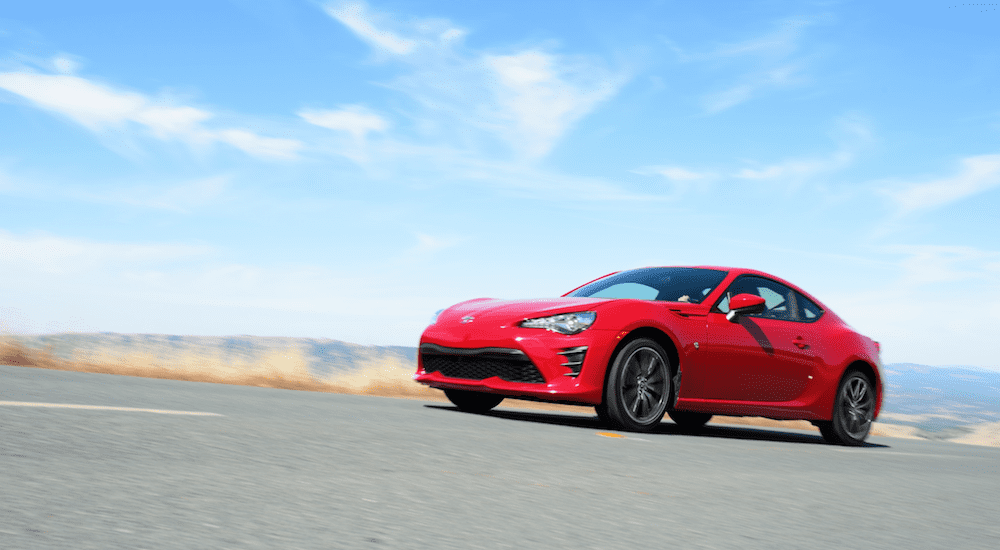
{"points": [[290, 363], [941, 402], [323, 357]]}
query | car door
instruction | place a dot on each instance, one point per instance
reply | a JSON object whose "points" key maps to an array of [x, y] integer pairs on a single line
{"points": [[764, 357]]}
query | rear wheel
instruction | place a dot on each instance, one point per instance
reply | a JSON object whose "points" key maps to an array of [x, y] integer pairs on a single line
{"points": [[473, 402], [688, 420], [826, 430], [638, 386], [853, 411]]}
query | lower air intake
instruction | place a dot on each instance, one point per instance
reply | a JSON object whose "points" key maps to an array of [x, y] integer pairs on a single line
{"points": [[480, 363]]}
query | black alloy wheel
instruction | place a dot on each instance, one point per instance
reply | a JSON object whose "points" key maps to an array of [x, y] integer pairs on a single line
{"points": [[473, 402], [689, 420], [638, 386], [853, 411]]}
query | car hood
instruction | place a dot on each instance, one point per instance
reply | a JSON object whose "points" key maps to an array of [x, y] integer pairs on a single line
{"points": [[510, 311]]}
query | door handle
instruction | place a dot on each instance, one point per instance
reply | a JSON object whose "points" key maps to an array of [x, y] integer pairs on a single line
{"points": [[800, 342]]}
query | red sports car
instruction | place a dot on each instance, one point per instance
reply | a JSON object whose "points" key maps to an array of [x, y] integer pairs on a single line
{"points": [[686, 341]]}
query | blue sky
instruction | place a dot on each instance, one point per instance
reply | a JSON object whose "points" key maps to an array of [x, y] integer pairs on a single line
{"points": [[344, 170]]}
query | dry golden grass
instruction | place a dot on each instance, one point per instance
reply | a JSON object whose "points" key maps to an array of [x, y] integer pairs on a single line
{"points": [[282, 369], [982, 434]]}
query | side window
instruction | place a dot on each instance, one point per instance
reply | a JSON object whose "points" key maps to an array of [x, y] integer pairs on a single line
{"points": [[808, 311], [781, 302]]}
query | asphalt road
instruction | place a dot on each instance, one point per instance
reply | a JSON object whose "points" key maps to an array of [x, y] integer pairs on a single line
{"points": [[285, 469]]}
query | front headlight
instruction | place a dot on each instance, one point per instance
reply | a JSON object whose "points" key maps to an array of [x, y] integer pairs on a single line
{"points": [[565, 323]]}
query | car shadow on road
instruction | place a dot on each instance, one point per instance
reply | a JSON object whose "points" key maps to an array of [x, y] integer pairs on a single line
{"points": [[665, 428]]}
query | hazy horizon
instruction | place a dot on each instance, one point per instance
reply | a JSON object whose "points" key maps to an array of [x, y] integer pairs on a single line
{"points": [[412, 347]]}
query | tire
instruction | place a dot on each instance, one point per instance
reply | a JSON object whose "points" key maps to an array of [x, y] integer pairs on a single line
{"points": [[637, 389], [473, 402], [853, 411], [602, 414], [688, 420], [826, 430]]}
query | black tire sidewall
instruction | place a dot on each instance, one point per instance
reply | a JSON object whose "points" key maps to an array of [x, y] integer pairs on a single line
{"points": [[837, 428], [617, 414], [602, 413]]}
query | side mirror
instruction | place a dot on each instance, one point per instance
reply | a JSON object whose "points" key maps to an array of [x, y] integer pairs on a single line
{"points": [[745, 304]]}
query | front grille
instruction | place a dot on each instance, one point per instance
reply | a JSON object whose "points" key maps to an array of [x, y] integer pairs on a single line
{"points": [[480, 363]]}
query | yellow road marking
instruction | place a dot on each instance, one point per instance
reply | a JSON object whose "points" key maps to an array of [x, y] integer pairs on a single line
{"points": [[101, 408], [609, 434]]}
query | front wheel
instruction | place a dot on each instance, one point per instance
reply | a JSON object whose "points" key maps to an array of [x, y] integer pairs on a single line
{"points": [[473, 402], [638, 386], [602, 414], [853, 411]]}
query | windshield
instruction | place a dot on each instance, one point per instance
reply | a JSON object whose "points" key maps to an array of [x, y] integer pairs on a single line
{"points": [[666, 284]]}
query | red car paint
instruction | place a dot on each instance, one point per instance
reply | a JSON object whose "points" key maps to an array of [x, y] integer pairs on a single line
{"points": [[753, 367]]}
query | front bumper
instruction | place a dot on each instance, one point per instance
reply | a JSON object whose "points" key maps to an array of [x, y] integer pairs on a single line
{"points": [[518, 362]]}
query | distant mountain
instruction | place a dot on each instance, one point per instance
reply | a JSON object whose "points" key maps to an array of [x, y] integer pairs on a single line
{"points": [[322, 356], [945, 397]]}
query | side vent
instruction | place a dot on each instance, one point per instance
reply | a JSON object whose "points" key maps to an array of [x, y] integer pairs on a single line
{"points": [[574, 360]]}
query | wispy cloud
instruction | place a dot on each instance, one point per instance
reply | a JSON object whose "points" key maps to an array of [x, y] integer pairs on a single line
{"points": [[797, 168], [181, 273], [769, 60], [356, 120], [975, 175], [65, 64], [443, 166], [540, 97], [528, 98], [99, 107], [430, 244], [259, 146], [929, 264], [751, 85], [679, 178], [89, 104], [676, 173], [780, 42], [853, 134], [181, 197], [362, 21], [52, 254]]}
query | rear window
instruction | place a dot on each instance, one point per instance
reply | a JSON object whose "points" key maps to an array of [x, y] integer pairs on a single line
{"points": [[665, 284]]}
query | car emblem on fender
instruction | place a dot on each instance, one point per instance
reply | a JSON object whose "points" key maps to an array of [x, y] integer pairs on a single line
{"points": [[468, 319]]}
